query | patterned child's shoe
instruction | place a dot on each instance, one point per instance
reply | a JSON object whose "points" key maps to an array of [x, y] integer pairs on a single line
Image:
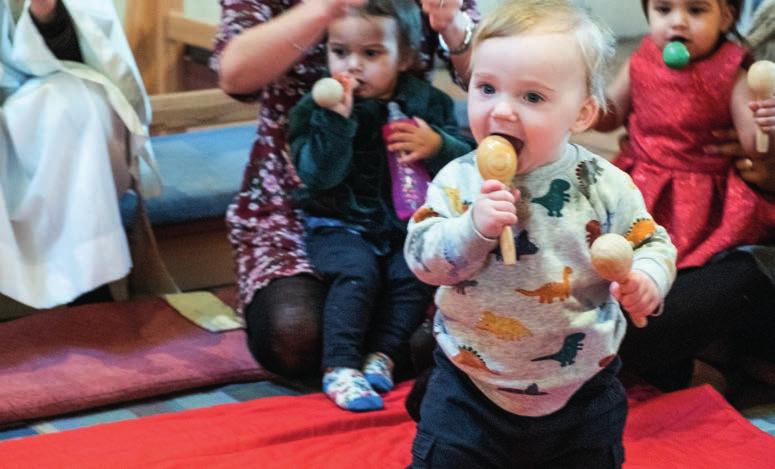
{"points": [[349, 390], [378, 370]]}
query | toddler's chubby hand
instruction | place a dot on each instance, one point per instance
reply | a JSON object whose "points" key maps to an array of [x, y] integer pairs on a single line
{"points": [[494, 208], [764, 114], [345, 106], [414, 142], [638, 295]]}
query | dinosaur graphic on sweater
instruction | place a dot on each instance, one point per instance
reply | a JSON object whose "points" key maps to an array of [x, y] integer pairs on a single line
{"points": [[458, 205], [467, 356], [502, 327], [594, 230], [548, 292], [523, 244], [587, 172], [570, 348], [641, 231], [555, 198]]}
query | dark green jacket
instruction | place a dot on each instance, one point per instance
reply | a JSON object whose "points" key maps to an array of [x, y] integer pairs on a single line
{"points": [[343, 162]]}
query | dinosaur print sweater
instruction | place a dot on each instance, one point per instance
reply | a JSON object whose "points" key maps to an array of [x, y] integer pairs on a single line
{"points": [[529, 335]]}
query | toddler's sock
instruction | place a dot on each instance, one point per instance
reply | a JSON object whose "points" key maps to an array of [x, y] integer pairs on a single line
{"points": [[349, 390], [378, 370]]}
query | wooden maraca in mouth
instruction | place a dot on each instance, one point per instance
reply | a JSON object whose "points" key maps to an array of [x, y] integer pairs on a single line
{"points": [[497, 159]]}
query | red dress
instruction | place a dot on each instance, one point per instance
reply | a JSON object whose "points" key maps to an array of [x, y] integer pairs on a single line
{"points": [[698, 197], [264, 227]]}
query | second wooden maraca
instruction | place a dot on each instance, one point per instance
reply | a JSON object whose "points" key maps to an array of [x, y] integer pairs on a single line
{"points": [[327, 92], [496, 159], [761, 80], [612, 259]]}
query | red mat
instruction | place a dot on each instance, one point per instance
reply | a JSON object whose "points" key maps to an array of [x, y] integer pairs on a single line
{"points": [[695, 428], [68, 359]]}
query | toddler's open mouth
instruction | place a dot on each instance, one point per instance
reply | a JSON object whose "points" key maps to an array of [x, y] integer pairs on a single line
{"points": [[515, 142]]}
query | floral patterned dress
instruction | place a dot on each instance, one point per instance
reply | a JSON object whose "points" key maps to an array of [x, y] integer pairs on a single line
{"points": [[265, 228]]}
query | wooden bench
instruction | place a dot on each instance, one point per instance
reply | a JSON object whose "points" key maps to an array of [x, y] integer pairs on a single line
{"points": [[201, 139]]}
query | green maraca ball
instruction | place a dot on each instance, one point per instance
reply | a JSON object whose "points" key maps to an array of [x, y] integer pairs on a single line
{"points": [[675, 55]]}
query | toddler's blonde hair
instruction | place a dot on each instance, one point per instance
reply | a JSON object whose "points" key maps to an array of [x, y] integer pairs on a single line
{"points": [[514, 17]]}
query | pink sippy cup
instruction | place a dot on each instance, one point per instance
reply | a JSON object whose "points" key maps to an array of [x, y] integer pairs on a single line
{"points": [[409, 181]]}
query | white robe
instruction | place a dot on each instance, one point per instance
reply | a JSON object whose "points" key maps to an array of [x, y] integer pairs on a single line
{"points": [[62, 126]]}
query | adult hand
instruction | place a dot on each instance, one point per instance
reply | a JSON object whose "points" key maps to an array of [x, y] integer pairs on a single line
{"points": [[414, 142], [764, 114], [441, 13], [494, 208], [337, 8], [43, 10], [638, 295], [758, 170]]}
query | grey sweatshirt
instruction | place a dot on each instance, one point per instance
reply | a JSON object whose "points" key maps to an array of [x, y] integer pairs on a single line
{"points": [[529, 335]]}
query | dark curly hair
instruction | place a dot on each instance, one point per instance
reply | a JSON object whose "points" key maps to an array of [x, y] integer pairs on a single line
{"points": [[407, 16]]}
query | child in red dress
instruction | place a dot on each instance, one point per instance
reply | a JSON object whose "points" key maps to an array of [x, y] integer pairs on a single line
{"points": [[696, 195]]}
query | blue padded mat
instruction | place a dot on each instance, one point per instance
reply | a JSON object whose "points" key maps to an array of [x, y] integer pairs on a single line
{"points": [[201, 171]]}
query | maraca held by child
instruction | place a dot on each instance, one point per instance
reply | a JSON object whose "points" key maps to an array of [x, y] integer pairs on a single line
{"points": [[496, 159]]}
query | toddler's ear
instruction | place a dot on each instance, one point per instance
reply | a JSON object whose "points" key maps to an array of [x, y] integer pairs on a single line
{"points": [[587, 115]]}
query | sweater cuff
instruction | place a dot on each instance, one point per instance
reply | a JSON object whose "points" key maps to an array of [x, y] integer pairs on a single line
{"points": [[333, 123], [656, 272], [476, 243]]}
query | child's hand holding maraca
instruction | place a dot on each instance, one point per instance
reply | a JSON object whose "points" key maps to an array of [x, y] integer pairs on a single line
{"points": [[638, 295], [496, 161], [636, 292], [335, 93], [495, 208]]}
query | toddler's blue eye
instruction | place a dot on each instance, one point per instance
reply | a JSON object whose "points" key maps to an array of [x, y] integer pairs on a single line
{"points": [[488, 89], [533, 97]]}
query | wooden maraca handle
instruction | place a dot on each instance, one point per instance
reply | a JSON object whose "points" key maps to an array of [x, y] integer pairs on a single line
{"points": [[612, 259], [496, 159], [761, 80], [508, 248]]}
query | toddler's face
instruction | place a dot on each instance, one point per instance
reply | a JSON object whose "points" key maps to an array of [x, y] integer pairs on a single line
{"points": [[531, 89], [366, 48], [696, 23]]}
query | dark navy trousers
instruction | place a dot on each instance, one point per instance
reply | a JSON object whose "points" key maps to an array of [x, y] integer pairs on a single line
{"points": [[374, 302], [461, 428]]}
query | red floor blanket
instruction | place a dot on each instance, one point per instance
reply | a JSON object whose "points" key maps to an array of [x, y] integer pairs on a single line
{"points": [[695, 428]]}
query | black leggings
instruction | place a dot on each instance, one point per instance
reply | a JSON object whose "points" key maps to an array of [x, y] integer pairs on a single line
{"points": [[284, 325], [284, 329]]}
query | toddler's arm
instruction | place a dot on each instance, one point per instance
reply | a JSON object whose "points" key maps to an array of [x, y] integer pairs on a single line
{"points": [[321, 142], [653, 268], [618, 101], [443, 245]]}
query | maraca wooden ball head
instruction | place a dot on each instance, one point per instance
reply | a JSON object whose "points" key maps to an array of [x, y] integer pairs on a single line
{"points": [[327, 92], [496, 159]]}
